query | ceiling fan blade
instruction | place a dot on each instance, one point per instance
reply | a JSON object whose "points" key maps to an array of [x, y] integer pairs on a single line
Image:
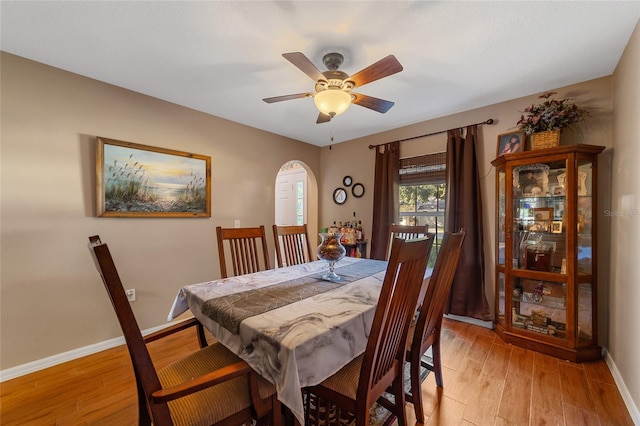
{"points": [[383, 68], [323, 118], [306, 66], [287, 97], [370, 102]]}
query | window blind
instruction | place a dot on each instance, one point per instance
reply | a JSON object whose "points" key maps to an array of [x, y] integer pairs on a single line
{"points": [[423, 169]]}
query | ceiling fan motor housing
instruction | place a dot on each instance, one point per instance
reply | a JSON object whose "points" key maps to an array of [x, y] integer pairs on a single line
{"points": [[334, 80], [332, 60]]}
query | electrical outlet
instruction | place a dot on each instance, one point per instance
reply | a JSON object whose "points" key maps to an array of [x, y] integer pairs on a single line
{"points": [[236, 223], [131, 294]]}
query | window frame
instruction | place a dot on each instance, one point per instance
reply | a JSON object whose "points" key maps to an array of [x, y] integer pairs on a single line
{"points": [[427, 169]]}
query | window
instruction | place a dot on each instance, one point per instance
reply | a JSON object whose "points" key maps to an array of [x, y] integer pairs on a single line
{"points": [[300, 199], [422, 195]]}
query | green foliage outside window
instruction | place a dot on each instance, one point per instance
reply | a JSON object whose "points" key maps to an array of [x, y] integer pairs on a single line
{"points": [[424, 205]]}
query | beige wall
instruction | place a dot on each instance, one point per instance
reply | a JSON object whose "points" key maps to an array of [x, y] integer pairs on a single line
{"points": [[52, 299], [624, 290]]}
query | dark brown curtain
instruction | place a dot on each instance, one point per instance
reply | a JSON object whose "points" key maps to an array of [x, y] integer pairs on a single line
{"points": [[464, 210], [385, 197]]}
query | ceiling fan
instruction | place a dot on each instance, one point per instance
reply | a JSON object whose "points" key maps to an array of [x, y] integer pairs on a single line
{"points": [[333, 87]]}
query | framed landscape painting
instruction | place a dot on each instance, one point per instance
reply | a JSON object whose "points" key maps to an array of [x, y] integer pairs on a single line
{"points": [[134, 180]]}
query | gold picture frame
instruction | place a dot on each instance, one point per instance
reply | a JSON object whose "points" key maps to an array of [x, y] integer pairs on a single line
{"points": [[134, 180], [556, 190], [543, 214], [556, 227]]}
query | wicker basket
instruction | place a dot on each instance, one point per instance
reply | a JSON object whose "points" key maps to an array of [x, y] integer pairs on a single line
{"points": [[547, 139]]}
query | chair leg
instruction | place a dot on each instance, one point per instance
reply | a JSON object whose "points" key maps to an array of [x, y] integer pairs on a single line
{"points": [[143, 414], [416, 391], [362, 417], [398, 393], [437, 364], [276, 411], [202, 339], [328, 408]]}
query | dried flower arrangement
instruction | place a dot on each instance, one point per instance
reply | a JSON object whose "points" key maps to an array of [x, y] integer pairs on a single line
{"points": [[552, 114]]}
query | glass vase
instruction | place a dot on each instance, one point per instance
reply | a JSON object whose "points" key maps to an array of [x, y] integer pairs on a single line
{"points": [[331, 251]]}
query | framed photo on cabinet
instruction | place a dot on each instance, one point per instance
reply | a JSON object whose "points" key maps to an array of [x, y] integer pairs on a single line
{"points": [[510, 143], [543, 214]]}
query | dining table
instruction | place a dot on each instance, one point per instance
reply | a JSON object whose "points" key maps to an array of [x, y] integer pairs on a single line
{"points": [[291, 326]]}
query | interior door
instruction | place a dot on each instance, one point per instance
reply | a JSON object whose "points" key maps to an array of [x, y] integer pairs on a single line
{"points": [[291, 199]]}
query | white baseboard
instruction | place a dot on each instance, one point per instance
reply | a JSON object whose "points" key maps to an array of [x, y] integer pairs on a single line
{"points": [[469, 320], [622, 387], [41, 364]]}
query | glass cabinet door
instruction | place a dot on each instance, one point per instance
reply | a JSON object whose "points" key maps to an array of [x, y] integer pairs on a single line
{"points": [[585, 217], [501, 214], [585, 312], [501, 301], [540, 306], [539, 217], [584, 228]]}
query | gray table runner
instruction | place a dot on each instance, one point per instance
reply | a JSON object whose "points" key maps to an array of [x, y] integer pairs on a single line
{"points": [[229, 311]]}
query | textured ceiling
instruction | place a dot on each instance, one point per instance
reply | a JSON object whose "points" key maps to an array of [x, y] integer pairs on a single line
{"points": [[223, 57]]}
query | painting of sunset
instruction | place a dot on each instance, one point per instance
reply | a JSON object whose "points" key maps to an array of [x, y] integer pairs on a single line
{"points": [[138, 180]]}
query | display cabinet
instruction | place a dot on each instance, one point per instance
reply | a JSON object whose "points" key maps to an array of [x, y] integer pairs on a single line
{"points": [[546, 270]]}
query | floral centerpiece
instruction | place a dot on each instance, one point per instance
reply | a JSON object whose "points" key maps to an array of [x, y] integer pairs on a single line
{"points": [[551, 114]]}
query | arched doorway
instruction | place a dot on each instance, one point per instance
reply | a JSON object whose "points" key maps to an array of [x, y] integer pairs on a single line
{"points": [[296, 196]]}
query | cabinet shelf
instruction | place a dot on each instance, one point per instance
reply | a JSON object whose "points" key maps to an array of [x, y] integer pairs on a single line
{"points": [[536, 198], [545, 251]]}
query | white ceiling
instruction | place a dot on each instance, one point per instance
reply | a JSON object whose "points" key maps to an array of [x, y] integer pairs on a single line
{"points": [[223, 57]]}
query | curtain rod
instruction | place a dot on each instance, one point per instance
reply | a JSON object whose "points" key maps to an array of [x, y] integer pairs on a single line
{"points": [[489, 121]]}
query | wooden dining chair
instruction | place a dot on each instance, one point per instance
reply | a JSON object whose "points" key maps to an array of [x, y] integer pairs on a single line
{"points": [[405, 232], [292, 245], [359, 384], [248, 248], [427, 328], [209, 387]]}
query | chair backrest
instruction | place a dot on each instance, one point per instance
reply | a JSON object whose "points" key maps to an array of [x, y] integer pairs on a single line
{"points": [[406, 232], [384, 355], [292, 244], [439, 286], [146, 377], [245, 245]]}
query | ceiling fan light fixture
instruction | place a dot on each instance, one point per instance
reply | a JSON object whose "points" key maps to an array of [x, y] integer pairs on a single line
{"points": [[332, 102]]}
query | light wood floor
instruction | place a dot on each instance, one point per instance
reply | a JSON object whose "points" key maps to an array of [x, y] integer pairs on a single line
{"points": [[486, 382]]}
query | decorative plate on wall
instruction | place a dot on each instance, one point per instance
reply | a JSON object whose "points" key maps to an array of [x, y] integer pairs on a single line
{"points": [[339, 195], [357, 190]]}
